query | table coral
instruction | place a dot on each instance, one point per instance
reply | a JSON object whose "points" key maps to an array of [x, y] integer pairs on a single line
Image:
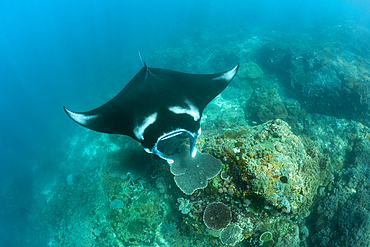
{"points": [[192, 173], [217, 216]]}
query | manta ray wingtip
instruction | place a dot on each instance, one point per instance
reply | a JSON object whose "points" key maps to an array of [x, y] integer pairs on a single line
{"points": [[67, 111], [235, 68], [80, 118], [232, 72]]}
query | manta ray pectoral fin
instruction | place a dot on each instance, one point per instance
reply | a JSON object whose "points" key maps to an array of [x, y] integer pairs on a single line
{"points": [[80, 118], [228, 75], [103, 120]]}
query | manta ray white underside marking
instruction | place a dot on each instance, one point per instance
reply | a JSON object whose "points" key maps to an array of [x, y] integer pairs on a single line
{"points": [[192, 110], [228, 76], [140, 129], [80, 118]]}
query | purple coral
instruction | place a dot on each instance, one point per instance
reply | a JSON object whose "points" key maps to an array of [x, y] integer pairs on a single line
{"points": [[217, 216]]}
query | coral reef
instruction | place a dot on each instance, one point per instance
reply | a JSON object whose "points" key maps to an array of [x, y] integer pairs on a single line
{"points": [[284, 171], [264, 161], [231, 235], [343, 217], [192, 173], [250, 70], [266, 236], [265, 104], [217, 216]]}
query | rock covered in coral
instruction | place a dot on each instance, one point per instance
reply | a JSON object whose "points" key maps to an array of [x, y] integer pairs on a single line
{"points": [[250, 71], [324, 79], [265, 104], [342, 218], [320, 89], [334, 83], [265, 161]]}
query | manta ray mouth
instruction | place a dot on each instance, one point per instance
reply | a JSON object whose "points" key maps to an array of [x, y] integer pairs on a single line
{"points": [[193, 140]]}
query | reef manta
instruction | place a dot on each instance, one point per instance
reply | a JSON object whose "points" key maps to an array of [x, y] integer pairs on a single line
{"points": [[157, 104]]}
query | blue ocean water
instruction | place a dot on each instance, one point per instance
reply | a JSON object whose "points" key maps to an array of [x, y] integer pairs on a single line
{"points": [[81, 54]]}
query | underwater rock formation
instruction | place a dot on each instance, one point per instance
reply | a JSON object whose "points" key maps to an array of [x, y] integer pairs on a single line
{"points": [[270, 163], [275, 58], [265, 104], [250, 71], [334, 83], [343, 217]]}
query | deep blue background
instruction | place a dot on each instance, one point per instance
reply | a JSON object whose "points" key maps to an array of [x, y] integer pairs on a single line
{"points": [[80, 53]]}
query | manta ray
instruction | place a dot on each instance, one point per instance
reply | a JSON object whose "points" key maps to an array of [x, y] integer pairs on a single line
{"points": [[157, 104]]}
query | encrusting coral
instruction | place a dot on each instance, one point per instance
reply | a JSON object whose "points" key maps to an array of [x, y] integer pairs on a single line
{"points": [[270, 162], [231, 235]]}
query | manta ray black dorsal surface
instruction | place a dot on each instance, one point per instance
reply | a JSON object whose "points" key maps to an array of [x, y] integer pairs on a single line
{"points": [[157, 104]]}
